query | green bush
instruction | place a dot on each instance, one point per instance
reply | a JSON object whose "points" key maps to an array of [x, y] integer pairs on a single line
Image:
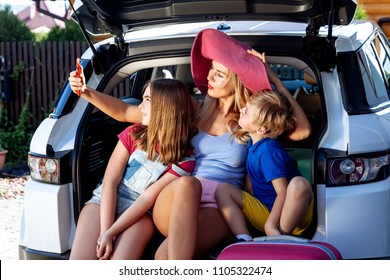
{"points": [[16, 138], [71, 32]]}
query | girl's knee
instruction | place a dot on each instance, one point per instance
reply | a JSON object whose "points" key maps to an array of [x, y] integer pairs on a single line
{"points": [[189, 181], [188, 185]]}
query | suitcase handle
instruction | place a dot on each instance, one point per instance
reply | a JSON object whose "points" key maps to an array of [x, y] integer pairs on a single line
{"points": [[282, 238]]}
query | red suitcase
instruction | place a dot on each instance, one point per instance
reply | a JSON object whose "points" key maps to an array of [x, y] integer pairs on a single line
{"points": [[283, 247]]}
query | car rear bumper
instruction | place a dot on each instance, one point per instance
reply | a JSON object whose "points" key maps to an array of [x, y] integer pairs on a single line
{"points": [[29, 254]]}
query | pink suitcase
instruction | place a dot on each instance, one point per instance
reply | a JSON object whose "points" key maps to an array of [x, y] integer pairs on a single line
{"points": [[283, 247]]}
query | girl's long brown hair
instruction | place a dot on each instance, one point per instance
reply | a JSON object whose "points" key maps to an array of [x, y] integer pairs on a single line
{"points": [[170, 126]]}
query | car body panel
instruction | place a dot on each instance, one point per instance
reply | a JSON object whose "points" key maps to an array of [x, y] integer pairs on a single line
{"points": [[369, 133], [350, 39], [41, 135], [99, 16], [337, 117], [362, 228], [47, 217]]}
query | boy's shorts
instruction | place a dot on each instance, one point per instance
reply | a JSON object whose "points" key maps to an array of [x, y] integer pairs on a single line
{"points": [[257, 213]]}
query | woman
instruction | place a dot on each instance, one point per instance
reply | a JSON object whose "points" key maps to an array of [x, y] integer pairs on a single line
{"points": [[227, 72], [194, 231]]}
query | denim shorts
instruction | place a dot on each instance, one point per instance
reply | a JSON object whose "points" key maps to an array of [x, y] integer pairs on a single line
{"points": [[124, 199]]}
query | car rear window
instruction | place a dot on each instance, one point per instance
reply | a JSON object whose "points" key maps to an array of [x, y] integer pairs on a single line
{"points": [[376, 71]]}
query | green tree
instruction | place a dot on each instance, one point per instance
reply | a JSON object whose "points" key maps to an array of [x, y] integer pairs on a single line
{"points": [[360, 13], [71, 32], [12, 28]]}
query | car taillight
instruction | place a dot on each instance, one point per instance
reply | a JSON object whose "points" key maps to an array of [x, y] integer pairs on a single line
{"points": [[358, 169], [49, 169]]}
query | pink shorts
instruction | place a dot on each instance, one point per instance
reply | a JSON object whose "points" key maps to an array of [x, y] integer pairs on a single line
{"points": [[209, 188]]}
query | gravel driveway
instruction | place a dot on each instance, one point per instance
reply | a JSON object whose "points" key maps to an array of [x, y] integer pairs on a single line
{"points": [[11, 207]]}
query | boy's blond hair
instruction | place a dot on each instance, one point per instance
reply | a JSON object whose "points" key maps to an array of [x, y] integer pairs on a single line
{"points": [[274, 112]]}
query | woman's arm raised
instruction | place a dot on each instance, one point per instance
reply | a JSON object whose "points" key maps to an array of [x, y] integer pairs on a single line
{"points": [[302, 124]]}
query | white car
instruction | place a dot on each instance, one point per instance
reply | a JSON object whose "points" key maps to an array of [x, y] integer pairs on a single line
{"points": [[337, 68]]}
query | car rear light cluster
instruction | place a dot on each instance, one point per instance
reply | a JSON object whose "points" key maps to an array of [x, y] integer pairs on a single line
{"points": [[356, 170], [44, 169], [55, 169]]}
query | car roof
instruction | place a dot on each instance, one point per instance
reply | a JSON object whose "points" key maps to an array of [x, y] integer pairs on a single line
{"points": [[350, 37], [119, 17]]}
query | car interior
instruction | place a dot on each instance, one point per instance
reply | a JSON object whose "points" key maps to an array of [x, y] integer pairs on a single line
{"points": [[100, 133]]}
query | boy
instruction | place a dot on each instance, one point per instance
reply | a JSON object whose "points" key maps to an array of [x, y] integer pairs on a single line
{"points": [[271, 203]]}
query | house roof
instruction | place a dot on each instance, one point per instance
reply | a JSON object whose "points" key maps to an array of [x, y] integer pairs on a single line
{"points": [[40, 22]]}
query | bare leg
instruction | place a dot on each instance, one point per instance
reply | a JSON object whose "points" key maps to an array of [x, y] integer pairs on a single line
{"points": [[212, 230], [299, 194], [162, 251], [131, 243], [230, 205], [176, 214], [87, 233]]}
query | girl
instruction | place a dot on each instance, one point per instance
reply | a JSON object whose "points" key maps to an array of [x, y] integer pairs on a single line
{"points": [[115, 223]]}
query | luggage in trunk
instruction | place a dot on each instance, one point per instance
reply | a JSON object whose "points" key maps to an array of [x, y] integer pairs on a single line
{"points": [[282, 247]]}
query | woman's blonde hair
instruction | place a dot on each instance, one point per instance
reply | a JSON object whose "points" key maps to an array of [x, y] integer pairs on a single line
{"points": [[274, 112], [210, 108], [170, 127]]}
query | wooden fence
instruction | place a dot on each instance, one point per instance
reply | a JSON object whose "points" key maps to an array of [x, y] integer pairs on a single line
{"points": [[40, 69], [378, 10]]}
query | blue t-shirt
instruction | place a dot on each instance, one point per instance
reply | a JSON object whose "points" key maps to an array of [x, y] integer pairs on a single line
{"points": [[268, 160], [219, 158]]}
